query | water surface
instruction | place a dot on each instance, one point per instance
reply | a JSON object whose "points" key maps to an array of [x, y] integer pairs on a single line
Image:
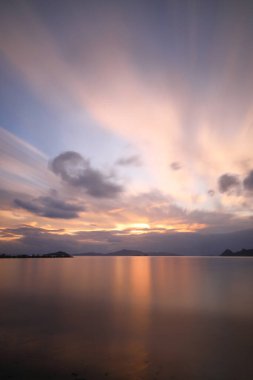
{"points": [[126, 318]]}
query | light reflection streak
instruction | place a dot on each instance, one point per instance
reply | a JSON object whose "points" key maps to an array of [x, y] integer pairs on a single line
{"points": [[128, 316]]}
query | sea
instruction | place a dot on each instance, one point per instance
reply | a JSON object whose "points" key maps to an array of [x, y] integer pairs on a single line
{"points": [[126, 318]]}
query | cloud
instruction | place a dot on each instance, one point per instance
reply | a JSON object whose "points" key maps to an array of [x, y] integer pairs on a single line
{"points": [[157, 209], [248, 181], [131, 160], [49, 207], [16, 170], [76, 171], [27, 238], [228, 182], [211, 192], [175, 165], [147, 107]]}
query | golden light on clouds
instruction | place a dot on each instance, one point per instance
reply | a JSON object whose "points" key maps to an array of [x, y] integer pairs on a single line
{"points": [[152, 114]]}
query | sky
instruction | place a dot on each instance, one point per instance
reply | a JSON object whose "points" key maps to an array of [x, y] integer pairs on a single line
{"points": [[126, 124]]}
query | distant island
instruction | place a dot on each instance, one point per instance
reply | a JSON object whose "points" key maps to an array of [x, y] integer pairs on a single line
{"points": [[126, 252], [60, 254], [53, 255], [243, 253], [122, 252]]}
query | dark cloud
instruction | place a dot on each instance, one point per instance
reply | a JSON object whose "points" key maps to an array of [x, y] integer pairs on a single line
{"points": [[49, 207], [211, 192], [28, 238], [131, 161], [175, 165], [228, 182], [76, 171], [6, 198], [248, 181]]}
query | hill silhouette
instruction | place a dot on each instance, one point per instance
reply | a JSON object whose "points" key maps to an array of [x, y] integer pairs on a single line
{"points": [[243, 253], [53, 255]]}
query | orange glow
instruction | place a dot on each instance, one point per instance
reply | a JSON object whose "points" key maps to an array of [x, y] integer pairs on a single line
{"points": [[190, 227], [10, 238], [144, 228]]}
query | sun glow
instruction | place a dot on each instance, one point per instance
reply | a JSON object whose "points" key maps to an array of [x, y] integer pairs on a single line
{"points": [[143, 228], [132, 226]]}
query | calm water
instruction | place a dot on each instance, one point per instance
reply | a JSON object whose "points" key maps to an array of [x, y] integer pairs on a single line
{"points": [[126, 318]]}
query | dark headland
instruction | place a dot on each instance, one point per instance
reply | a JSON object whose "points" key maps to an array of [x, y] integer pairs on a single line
{"points": [[243, 253], [53, 255]]}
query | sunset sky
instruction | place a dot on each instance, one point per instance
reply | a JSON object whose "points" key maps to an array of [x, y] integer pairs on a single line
{"points": [[126, 124]]}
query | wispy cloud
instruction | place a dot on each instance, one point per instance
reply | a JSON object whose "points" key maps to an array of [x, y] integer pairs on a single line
{"points": [[175, 165], [23, 167], [133, 160]]}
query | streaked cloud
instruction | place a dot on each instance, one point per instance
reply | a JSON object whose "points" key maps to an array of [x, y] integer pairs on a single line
{"points": [[112, 83], [23, 167]]}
